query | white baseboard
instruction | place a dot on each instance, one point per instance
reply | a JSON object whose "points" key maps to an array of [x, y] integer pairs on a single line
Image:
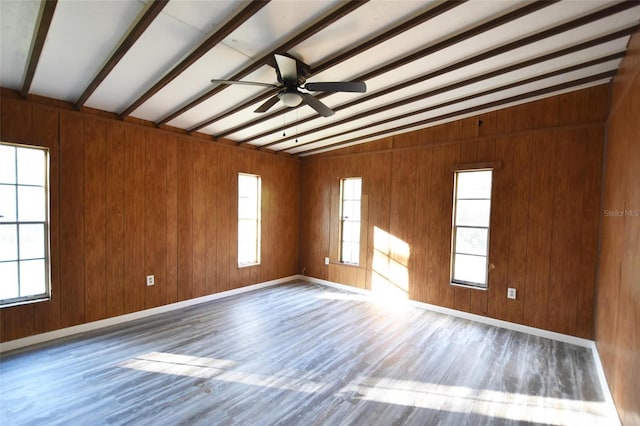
{"points": [[465, 315], [605, 386], [95, 325]]}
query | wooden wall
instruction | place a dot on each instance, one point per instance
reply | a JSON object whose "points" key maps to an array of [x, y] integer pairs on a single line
{"points": [[545, 209], [129, 200], [618, 303]]}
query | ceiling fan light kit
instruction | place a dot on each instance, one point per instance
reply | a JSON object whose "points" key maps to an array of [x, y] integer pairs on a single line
{"points": [[290, 99], [292, 75]]}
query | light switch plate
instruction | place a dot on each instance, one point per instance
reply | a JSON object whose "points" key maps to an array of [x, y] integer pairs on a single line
{"points": [[511, 293], [326, 260]]}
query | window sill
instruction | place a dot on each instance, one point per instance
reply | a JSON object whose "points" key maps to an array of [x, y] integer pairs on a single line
{"points": [[24, 302], [248, 265], [352, 265], [470, 286]]}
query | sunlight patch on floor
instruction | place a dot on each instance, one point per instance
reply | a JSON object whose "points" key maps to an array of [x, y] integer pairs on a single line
{"points": [[456, 399], [215, 369], [460, 399]]}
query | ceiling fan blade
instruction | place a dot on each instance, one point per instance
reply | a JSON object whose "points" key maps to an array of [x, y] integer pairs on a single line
{"points": [[246, 83], [345, 86], [268, 104], [287, 67], [314, 103]]}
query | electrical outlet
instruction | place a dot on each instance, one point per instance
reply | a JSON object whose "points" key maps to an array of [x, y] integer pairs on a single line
{"points": [[511, 293], [151, 280], [326, 260]]}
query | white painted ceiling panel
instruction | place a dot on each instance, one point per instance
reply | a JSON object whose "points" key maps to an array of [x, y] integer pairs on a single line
{"points": [[165, 43], [253, 39], [202, 16], [18, 20], [413, 40], [196, 79], [82, 35], [275, 24], [231, 96], [363, 24]]}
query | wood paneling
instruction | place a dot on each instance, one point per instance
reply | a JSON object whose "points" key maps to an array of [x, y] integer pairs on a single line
{"points": [[237, 163], [290, 202], [402, 209], [282, 242], [171, 294], [314, 221], [115, 220], [422, 237], [45, 133], [565, 239], [501, 216], [523, 151], [618, 289], [227, 217], [544, 201], [128, 200], [540, 227], [134, 222], [589, 234], [185, 220], [211, 231], [438, 218], [155, 230], [95, 214], [72, 255], [264, 168], [199, 218]]}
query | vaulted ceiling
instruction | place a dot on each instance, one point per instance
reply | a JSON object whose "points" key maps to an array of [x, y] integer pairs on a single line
{"points": [[424, 62]]}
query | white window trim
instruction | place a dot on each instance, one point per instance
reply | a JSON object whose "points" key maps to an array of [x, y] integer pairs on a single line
{"points": [[258, 222], [461, 283], [43, 297], [342, 220]]}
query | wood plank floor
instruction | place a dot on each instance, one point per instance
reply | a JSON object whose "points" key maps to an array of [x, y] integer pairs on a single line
{"points": [[301, 354]]}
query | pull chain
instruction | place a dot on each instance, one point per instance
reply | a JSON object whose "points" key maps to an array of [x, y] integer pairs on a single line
{"points": [[296, 125], [284, 125]]}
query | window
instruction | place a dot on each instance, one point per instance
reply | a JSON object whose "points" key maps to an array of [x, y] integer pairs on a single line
{"points": [[472, 207], [24, 224], [248, 219], [350, 197]]}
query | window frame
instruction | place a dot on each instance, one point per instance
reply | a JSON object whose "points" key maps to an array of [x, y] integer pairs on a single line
{"points": [[454, 227], [258, 221], [46, 295], [343, 220]]}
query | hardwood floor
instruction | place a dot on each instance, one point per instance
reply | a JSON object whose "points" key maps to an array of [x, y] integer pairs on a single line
{"points": [[302, 354]]}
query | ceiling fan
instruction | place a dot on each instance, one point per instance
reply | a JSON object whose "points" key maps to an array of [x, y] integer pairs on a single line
{"points": [[292, 75]]}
